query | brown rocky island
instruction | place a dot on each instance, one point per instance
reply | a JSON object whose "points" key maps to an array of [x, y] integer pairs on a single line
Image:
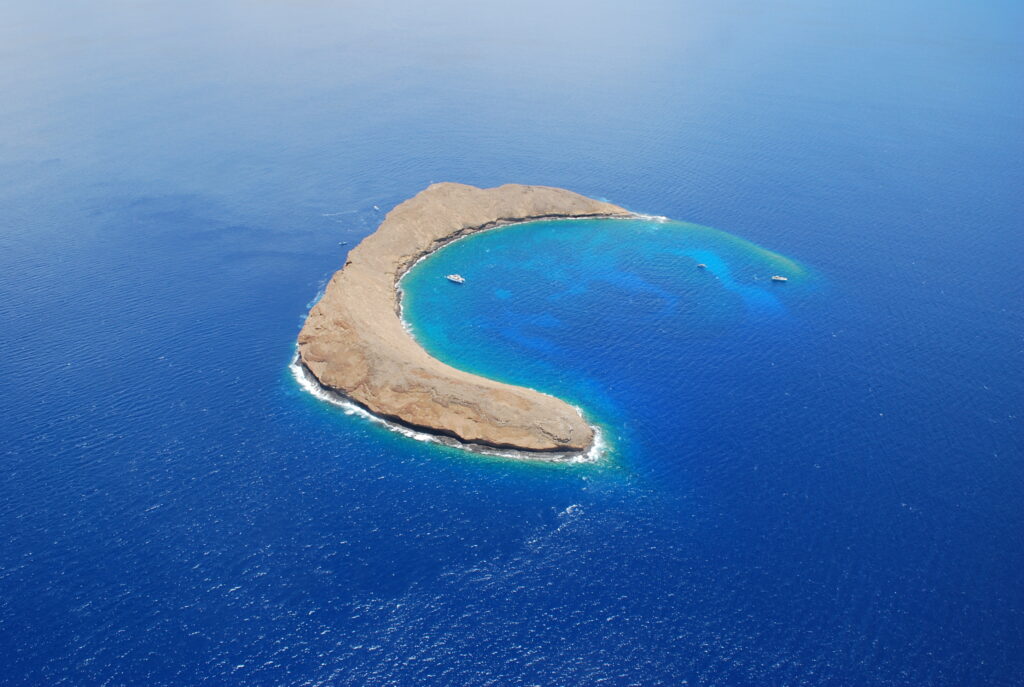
{"points": [[354, 342]]}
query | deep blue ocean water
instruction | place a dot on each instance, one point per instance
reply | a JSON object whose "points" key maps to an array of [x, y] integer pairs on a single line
{"points": [[816, 483]]}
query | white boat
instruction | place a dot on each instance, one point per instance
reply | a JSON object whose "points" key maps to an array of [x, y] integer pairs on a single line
{"points": [[457, 278], [778, 278], [702, 266]]}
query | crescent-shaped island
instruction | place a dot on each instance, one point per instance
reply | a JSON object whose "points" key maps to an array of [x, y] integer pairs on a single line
{"points": [[354, 342]]}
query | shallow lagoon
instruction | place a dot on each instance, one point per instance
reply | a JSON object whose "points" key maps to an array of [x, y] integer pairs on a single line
{"points": [[575, 308]]}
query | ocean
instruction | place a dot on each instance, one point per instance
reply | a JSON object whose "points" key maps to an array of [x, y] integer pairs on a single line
{"points": [[816, 482]]}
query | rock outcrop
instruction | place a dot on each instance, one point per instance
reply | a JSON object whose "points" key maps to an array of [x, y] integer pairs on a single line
{"points": [[354, 343]]}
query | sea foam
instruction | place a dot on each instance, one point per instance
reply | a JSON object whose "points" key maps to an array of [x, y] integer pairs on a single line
{"points": [[311, 385]]}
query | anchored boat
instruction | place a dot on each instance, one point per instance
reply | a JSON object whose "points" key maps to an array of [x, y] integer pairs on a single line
{"points": [[778, 278], [457, 278]]}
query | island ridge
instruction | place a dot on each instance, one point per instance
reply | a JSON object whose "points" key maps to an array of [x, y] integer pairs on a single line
{"points": [[354, 342]]}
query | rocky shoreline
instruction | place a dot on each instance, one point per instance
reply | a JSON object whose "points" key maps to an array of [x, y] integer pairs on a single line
{"points": [[354, 343]]}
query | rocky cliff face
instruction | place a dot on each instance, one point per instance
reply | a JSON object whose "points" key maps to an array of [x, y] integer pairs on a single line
{"points": [[354, 343]]}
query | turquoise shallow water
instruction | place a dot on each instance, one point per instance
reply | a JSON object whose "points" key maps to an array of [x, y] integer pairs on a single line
{"points": [[820, 483], [576, 308]]}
